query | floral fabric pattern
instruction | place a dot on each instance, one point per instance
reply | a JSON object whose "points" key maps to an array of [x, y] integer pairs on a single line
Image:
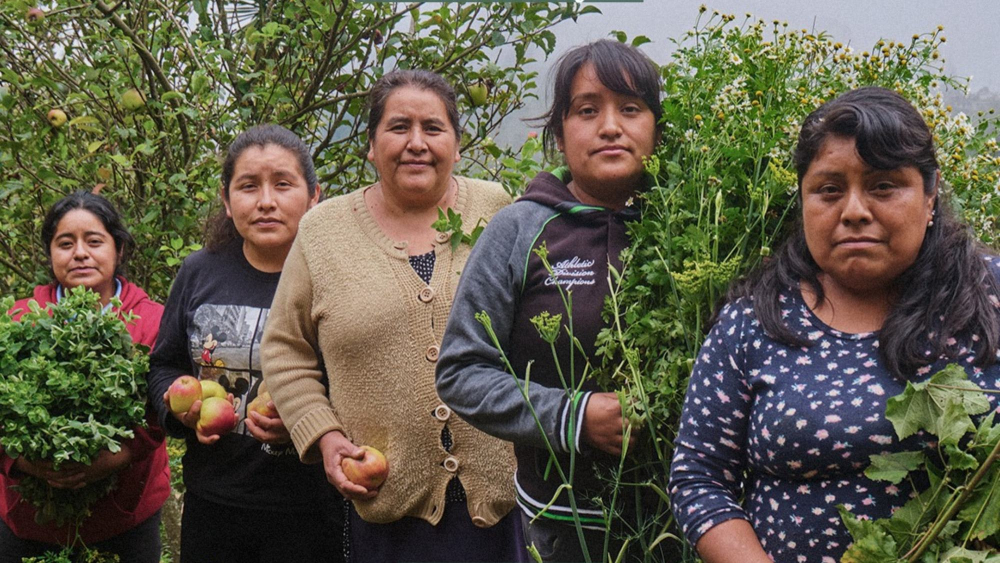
{"points": [[790, 430]]}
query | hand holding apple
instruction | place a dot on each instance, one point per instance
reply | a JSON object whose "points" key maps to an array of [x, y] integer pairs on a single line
{"points": [[183, 393], [335, 447], [369, 471], [217, 417], [267, 429]]}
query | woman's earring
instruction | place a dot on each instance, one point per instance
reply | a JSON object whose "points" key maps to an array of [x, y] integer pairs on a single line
{"points": [[931, 222]]}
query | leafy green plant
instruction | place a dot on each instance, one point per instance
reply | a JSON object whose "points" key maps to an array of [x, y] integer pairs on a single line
{"points": [[450, 223], [71, 385], [957, 515], [724, 185]]}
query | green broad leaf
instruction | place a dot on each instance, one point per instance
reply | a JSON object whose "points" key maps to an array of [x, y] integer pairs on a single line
{"points": [[941, 405], [94, 146], [894, 467], [982, 509], [915, 516], [962, 555], [872, 544], [960, 459], [84, 120]]}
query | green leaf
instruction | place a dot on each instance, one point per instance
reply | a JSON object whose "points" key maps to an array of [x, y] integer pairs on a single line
{"points": [[937, 407], [872, 544], [894, 467]]}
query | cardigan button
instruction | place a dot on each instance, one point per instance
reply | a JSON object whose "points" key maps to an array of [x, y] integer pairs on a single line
{"points": [[432, 353], [451, 464], [399, 245], [480, 522], [442, 238], [426, 295], [442, 412]]}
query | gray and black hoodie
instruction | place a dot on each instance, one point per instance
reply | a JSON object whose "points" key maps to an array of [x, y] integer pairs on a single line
{"points": [[507, 280]]}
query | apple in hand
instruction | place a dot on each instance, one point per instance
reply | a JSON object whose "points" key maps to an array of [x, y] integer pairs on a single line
{"points": [[217, 417], [261, 404], [370, 471], [211, 388], [183, 392]]}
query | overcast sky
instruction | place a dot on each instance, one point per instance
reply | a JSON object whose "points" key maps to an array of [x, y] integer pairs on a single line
{"points": [[972, 28]]}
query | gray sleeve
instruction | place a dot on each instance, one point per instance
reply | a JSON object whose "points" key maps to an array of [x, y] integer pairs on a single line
{"points": [[471, 375]]}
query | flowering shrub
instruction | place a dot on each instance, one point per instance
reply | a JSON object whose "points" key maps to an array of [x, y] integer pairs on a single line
{"points": [[736, 94]]}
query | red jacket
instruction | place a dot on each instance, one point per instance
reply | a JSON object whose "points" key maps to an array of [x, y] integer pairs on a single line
{"points": [[142, 486]]}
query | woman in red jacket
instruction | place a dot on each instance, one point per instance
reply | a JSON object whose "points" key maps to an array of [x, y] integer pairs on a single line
{"points": [[88, 245]]}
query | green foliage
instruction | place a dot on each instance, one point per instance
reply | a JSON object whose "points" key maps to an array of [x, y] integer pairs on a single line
{"points": [[450, 223], [724, 182], [723, 196], [71, 385], [961, 507], [209, 70], [68, 555]]}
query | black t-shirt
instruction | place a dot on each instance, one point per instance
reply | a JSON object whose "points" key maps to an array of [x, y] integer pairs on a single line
{"points": [[212, 329]]}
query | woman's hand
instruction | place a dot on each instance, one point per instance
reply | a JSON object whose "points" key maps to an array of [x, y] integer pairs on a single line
{"points": [[335, 447], [267, 430], [77, 475], [190, 419], [603, 424]]}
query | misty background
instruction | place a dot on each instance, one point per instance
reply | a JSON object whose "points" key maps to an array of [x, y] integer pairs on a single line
{"points": [[972, 29]]}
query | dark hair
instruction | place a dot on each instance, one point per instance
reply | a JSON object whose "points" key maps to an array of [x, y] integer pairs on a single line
{"points": [[944, 294], [621, 68], [422, 79], [220, 229], [100, 208]]}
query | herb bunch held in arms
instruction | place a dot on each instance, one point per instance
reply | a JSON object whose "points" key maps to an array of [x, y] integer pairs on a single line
{"points": [[71, 385]]}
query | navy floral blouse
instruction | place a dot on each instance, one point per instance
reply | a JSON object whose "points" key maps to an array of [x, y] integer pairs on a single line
{"points": [[790, 430]]}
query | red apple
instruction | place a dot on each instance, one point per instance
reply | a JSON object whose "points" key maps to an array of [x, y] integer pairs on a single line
{"points": [[183, 392], [263, 405], [211, 388], [217, 417], [370, 471]]}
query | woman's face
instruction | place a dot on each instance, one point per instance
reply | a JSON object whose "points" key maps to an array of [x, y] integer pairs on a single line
{"points": [[414, 147], [83, 252], [605, 137], [863, 226], [268, 195]]}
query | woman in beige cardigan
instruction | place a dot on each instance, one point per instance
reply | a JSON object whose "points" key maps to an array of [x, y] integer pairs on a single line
{"points": [[354, 332]]}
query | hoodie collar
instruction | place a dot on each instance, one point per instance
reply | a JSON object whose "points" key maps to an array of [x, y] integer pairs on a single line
{"points": [[551, 189]]}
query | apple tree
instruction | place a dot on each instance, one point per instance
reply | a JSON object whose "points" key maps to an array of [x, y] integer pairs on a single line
{"points": [[137, 98]]}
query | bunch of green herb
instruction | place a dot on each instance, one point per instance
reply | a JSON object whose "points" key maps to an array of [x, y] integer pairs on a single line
{"points": [[957, 517], [72, 384]]}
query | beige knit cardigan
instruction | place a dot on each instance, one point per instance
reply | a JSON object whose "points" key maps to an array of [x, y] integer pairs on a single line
{"points": [[349, 300]]}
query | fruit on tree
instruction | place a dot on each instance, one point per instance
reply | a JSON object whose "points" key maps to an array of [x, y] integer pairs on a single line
{"points": [[56, 117], [217, 417], [211, 388], [264, 405], [370, 471], [35, 15], [183, 393], [478, 93], [133, 100]]}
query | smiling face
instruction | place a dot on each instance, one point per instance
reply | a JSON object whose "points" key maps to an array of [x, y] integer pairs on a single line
{"points": [[414, 147], [605, 137], [84, 253], [267, 198], [863, 226]]}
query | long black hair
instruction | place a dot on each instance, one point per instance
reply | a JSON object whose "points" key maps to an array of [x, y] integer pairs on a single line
{"points": [[948, 291], [220, 229], [100, 208]]}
